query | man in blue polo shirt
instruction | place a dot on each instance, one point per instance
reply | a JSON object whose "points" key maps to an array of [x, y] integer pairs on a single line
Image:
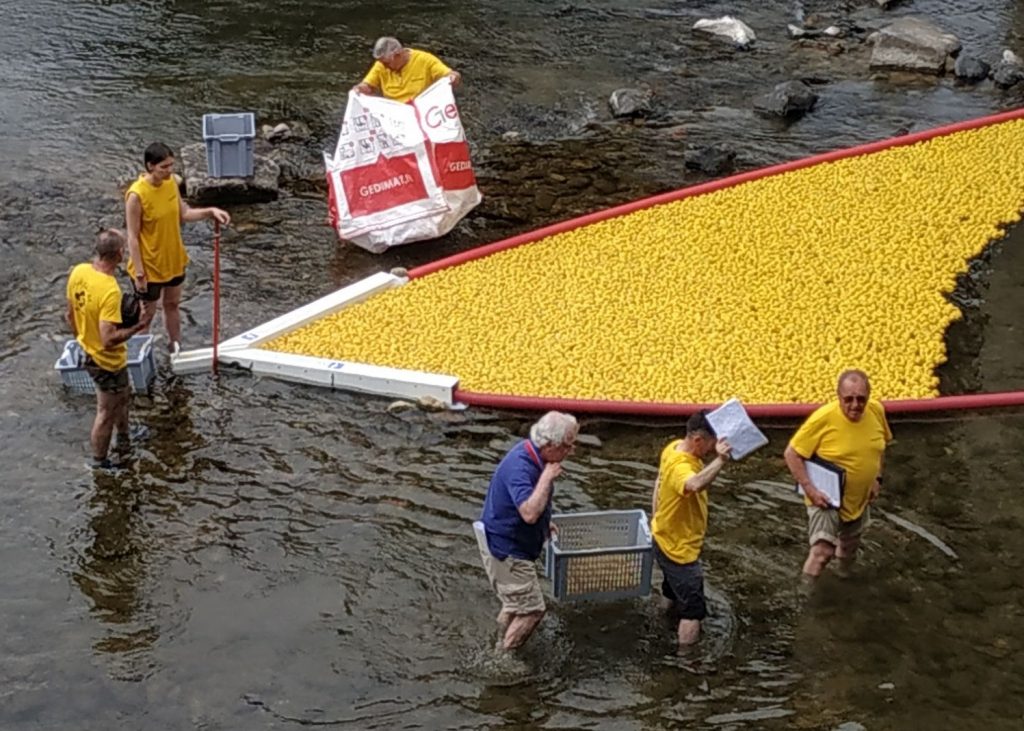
{"points": [[516, 521]]}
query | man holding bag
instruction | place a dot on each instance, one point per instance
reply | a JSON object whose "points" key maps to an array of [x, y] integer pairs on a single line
{"points": [[401, 73]]}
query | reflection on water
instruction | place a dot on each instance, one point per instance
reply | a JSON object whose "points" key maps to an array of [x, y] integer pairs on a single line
{"points": [[279, 557]]}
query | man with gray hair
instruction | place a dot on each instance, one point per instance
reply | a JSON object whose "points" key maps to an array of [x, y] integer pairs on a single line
{"points": [[516, 521], [94, 315], [402, 73], [851, 433]]}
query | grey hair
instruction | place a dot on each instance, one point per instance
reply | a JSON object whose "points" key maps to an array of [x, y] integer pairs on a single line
{"points": [[855, 373], [554, 428], [385, 46], [108, 243]]}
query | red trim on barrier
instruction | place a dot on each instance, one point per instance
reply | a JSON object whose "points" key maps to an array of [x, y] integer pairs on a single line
{"points": [[647, 408], [536, 403]]}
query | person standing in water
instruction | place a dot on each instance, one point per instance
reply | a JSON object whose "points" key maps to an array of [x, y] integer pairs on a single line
{"points": [[157, 258]]}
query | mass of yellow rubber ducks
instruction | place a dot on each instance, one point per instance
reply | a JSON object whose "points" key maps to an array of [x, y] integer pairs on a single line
{"points": [[765, 290]]}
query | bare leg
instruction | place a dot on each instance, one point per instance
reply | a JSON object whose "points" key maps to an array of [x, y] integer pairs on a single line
{"points": [[689, 632], [818, 557], [847, 552], [107, 406], [170, 298], [504, 620], [149, 310], [122, 413], [520, 629]]}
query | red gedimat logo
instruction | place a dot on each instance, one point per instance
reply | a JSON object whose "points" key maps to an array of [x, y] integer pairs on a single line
{"points": [[453, 166], [436, 116], [387, 183]]}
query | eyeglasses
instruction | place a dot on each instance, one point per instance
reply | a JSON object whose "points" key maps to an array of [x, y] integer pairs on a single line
{"points": [[854, 399]]}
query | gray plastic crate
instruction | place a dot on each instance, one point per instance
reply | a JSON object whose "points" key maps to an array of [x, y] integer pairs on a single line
{"points": [[228, 139], [141, 366], [601, 555]]}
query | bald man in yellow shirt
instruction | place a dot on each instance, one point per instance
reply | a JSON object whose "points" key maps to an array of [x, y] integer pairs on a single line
{"points": [[680, 510], [402, 73], [852, 433]]}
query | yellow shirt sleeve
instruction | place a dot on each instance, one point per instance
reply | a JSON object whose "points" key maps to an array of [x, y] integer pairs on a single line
{"points": [[373, 75], [808, 437], [436, 67]]}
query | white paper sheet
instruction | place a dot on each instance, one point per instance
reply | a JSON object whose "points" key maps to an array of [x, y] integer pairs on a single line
{"points": [[730, 420]]}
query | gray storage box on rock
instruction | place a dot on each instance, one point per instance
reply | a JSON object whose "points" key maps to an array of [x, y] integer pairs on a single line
{"points": [[228, 139]]}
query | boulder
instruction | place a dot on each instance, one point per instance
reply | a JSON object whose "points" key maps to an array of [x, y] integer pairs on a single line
{"points": [[729, 28], [886, 4], [912, 44], [714, 160], [790, 99], [969, 68], [200, 189], [629, 103], [1007, 74]]}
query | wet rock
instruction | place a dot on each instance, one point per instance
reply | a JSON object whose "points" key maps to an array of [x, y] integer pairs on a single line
{"points": [[832, 31], [714, 160], [887, 686], [790, 99], [201, 189], [1009, 71], [589, 440], [429, 403], [851, 726], [728, 28], [912, 44], [969, 68], [629, 103], [399, 272], [400, 407], [886, 4]]}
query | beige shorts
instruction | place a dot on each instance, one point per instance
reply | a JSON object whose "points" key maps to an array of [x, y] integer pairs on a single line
{"points": [[825, 525], [514, 580]]}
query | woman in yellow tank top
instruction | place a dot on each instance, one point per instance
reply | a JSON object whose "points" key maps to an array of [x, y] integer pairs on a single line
{"points": [[157, 258]]}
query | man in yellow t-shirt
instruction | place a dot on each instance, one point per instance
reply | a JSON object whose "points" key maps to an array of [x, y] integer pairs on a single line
{"points": [[403, 73], [852, 433], [94, 315], [680, 510]]}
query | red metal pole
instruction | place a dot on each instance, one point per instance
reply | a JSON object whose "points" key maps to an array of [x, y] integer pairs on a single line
{"points": [[216, 292]]}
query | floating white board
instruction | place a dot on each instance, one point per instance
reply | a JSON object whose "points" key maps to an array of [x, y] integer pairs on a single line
{"points": [[242, 351]]}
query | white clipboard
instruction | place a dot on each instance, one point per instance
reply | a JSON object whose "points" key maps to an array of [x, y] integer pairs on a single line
{"points": [[827, 477]]}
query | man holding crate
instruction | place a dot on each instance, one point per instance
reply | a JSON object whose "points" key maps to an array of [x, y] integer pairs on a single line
{"points": [[94, 315], [680, 510], [516, 521]]}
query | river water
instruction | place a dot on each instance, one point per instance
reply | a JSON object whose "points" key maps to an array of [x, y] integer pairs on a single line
{"points": [[280, 556]]}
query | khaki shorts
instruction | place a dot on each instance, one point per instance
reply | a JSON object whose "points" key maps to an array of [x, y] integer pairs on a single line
{"points": [[824, 525], [514, 580]]}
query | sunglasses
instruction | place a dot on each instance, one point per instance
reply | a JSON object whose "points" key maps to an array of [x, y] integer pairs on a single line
{"points": [[854, 399]]}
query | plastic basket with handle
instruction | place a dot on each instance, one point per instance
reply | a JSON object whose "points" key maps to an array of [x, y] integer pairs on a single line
{"points": [[600, 555], [141, 366]]}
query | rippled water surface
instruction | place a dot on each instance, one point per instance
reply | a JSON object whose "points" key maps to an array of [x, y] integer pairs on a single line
{"points": [[280, 556]]}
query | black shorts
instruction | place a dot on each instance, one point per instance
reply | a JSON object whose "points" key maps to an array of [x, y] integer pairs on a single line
{"points": [[153, 289], [107, 381], [684, 585]]}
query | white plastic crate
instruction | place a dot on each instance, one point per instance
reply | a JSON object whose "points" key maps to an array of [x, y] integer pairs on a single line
{"points": [[229, 139], [600, 555], [141, 366]]}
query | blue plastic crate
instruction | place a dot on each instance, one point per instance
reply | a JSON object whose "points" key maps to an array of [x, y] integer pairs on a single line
{"points": [[602, 555], [141, 366], [229, 139]]}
